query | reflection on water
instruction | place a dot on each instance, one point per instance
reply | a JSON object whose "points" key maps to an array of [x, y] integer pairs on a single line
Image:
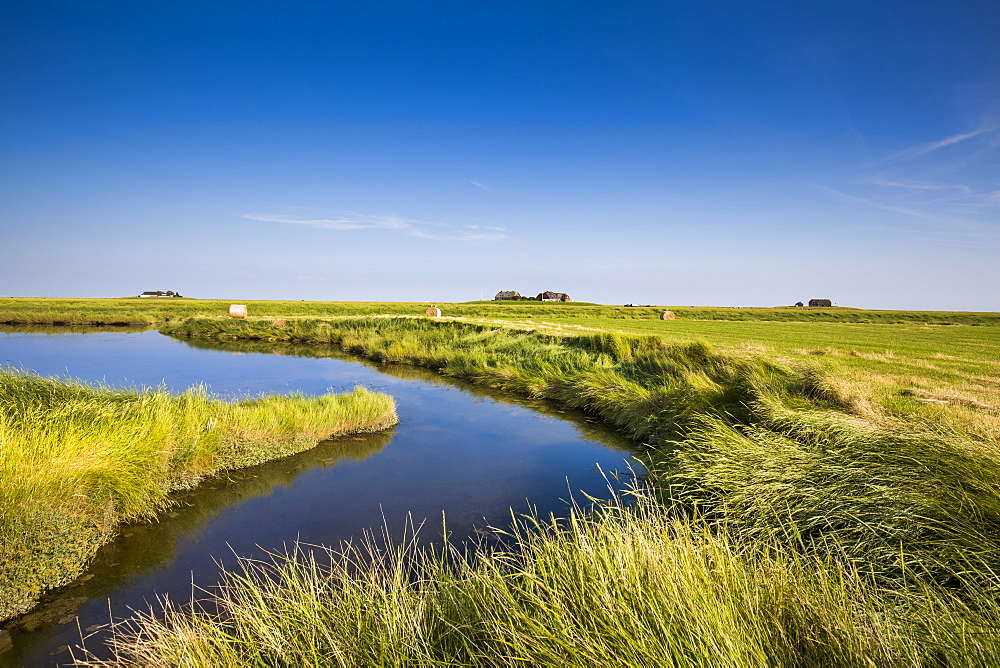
{"points": [[588, 427], [71, 329], [142, 548], [458, 449]]}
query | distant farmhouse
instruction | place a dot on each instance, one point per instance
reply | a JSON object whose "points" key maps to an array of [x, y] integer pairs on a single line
{"points": [[514, 295], [820, 302], [160, 293]]}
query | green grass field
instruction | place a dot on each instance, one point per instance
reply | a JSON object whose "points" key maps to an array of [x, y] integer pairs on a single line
{"points": [[866, 481], [134, 310], [823, 489], [944, 358]]}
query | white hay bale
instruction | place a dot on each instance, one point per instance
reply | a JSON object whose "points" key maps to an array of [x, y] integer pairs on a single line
{"points": [[238, 311], [434, 312], [667, 315]]}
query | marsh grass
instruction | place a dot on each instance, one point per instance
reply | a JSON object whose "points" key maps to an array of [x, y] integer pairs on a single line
{"points": [[800, 510], [629, 584], [643, 384], [77, 460], [773, 451]]}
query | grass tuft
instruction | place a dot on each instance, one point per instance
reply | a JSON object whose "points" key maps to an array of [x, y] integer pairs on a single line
{"points": [[77, 460], [630, 584]]}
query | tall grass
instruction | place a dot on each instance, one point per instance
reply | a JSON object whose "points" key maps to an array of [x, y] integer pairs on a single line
{"points": [[772, 450], [916, 502], [644, 385], [626, 585], [788, 520], [77, 460]]}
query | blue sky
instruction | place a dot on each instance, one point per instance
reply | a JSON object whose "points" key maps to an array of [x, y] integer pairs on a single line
{"points": [[715, 153]]}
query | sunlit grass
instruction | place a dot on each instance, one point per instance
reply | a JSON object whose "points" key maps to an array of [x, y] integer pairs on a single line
{"points": [[628, 585], [77, 460], [823, 489], [792, 516]]}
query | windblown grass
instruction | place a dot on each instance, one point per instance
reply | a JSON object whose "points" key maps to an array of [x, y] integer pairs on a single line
{"points": [[773, 451], [642, 384], [77, 460], [794, 515], [626, 585]]}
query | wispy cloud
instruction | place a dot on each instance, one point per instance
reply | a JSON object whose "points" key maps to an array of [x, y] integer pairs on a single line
{"points": [[416, 228], [950, 182], [916, 213], [953, 225], [882, 181], [922, 149], [480, 185]]}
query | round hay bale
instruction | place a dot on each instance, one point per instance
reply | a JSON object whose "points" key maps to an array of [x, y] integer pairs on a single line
{"points": [[238, 311], [434, 312], [280, 323], [667, 315]]}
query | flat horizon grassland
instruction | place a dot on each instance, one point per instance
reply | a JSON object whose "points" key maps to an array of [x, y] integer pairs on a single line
{"points": [[819, 492], [149, 311], [837, 509], [944, 372], [77, 460], [906, 357]]}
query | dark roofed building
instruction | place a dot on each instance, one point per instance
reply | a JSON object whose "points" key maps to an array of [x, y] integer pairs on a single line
{"points": [[820, 302], [507, 295], [553, 297]]}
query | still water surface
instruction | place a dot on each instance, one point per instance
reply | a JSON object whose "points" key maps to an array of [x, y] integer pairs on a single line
{"points": [[458, 450]]}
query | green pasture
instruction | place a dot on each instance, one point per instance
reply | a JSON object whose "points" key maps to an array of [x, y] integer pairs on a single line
{"points": [[134, 310], [793, 514], [823, 488]]}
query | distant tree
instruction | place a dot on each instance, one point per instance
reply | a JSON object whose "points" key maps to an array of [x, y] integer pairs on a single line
{"points": [[170, 293]]}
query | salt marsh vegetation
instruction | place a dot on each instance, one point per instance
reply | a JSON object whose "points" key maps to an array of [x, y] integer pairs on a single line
{"points": [[78, 460]]}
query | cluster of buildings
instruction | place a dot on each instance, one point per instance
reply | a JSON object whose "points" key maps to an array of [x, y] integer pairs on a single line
{"points": [[160, 293], [514, 295]]}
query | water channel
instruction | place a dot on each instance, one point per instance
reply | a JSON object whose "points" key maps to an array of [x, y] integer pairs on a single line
{"points": [[471, 454]]}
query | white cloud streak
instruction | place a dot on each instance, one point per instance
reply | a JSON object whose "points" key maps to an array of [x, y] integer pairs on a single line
{"points": [[950, 182], [880, 181], [875, 203], [945, 222], [350, 222], [416, 228], [929, 147]]}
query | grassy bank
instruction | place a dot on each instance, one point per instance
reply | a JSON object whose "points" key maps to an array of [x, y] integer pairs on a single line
{"points": [[635, 586], [793, 517], [78, 460], [886, 372], [737, 433]]}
